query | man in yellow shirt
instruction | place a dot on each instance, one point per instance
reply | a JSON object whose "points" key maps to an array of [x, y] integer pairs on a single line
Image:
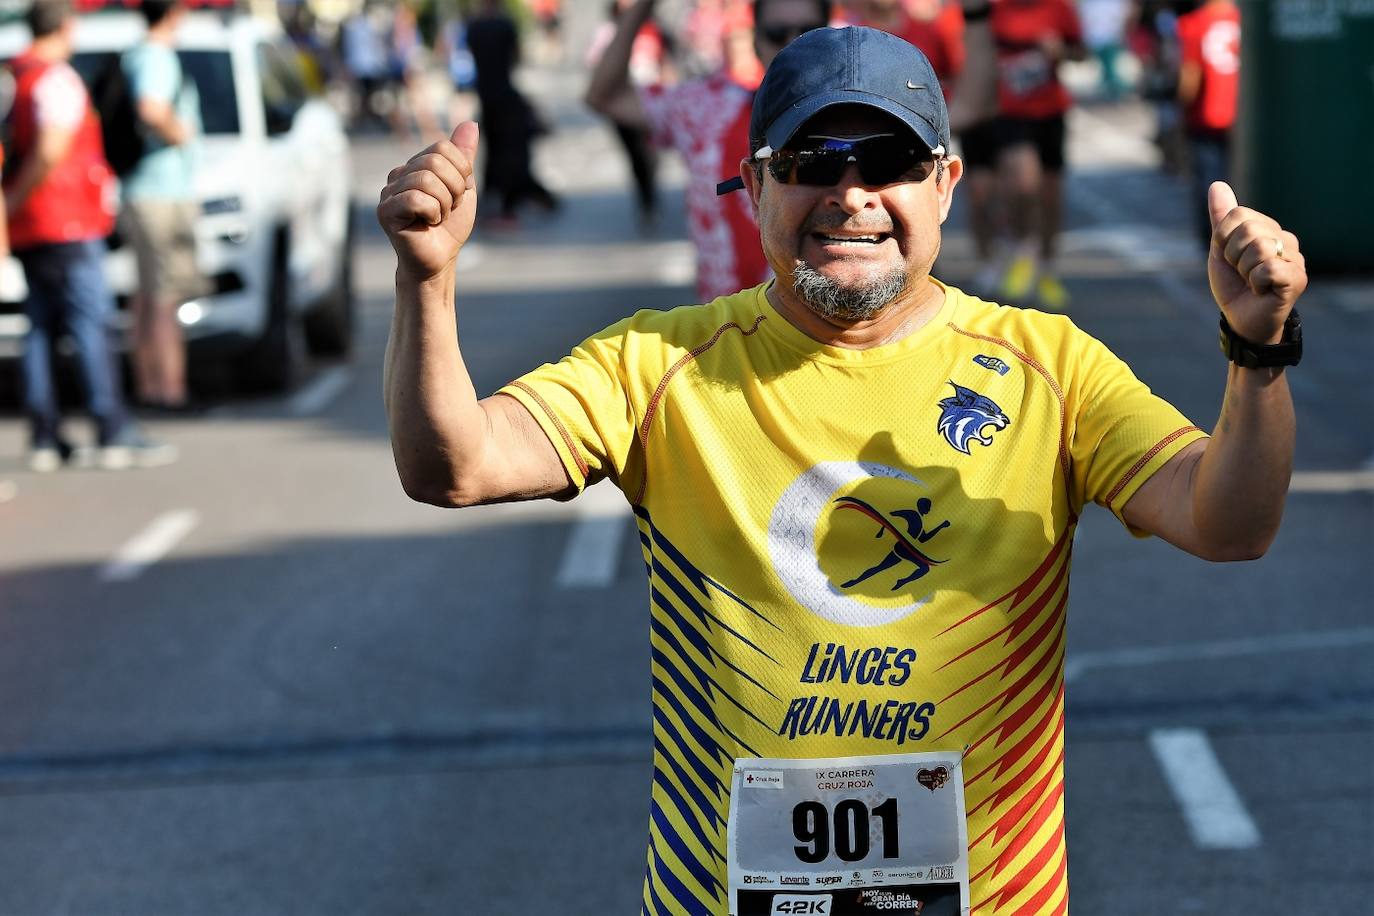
{"points": [[856, 489]]}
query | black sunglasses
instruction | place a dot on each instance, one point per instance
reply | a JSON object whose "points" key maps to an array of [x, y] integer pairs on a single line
{"points": [[882, 160], [783, 35]]}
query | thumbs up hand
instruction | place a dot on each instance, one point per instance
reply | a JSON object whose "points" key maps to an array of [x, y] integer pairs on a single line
{"points": [[429, 205], [1255, 268]]}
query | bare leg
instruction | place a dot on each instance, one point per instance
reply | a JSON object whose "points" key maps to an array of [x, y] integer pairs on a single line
{"points": [[1021, 180], [145, 356], [1051, 213], [171, 355]]}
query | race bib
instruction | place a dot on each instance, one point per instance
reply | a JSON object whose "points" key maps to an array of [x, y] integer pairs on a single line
{"points": [[849, 836], [1027, 72]]}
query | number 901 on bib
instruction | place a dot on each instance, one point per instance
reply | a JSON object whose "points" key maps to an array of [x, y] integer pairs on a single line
{"points": [[848, 836]]}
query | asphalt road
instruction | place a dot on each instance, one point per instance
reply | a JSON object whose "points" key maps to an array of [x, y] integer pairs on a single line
{"points": [[261, 681]]}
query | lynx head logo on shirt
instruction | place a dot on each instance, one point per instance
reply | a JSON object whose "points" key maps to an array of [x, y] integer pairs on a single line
{"points": [[850, 539], [965, 415]]}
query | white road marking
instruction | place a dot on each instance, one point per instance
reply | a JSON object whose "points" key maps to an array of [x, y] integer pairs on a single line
{"points": [[1214, 812], [1080, 662], [320, 393], [1332, 481], [150, 545], [590, 559], [677, 269]]}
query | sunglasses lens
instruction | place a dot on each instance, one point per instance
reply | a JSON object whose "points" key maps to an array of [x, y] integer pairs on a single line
{"points": [[889, 160], [881, 161]]}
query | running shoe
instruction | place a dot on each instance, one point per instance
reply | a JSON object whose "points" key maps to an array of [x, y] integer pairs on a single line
{"points": [[1051, 294], [1019, 278], [48, 455], [131, 449]]}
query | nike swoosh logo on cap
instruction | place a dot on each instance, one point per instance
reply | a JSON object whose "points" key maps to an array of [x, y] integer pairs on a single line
{"points": [[911, 85]]}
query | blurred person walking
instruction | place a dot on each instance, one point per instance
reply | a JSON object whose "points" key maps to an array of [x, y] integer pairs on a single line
{"points": [[362, 45], [509, 122], [1104, 31], [707, 121], [451, 47], [934, 26], [548, 18], [648, 67], [160, 207], [412, 112], [1208, 88], [59, 194], [1032, 38]]}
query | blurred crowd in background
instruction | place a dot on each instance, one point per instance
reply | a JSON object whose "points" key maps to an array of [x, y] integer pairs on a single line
{"points": [[665, 74], [1182, 56]]}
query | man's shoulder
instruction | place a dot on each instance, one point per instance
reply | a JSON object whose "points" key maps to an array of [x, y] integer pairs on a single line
{"points": [[652, 335], [1041, 336]]}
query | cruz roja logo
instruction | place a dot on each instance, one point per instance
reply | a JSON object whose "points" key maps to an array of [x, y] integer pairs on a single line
{"points": [[965, 415]]}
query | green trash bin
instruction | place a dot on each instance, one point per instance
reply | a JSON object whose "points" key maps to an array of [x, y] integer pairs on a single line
{"points": [[1304, 145]]}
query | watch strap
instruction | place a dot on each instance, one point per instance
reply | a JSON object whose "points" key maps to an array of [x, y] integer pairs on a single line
{"points": [[1248, 355]]}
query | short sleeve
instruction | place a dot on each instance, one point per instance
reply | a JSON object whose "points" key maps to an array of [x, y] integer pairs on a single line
{"points": [[59, 98], [1189, 42], [583, 403], [1071, 27], [1121, 432], [153, 75]]}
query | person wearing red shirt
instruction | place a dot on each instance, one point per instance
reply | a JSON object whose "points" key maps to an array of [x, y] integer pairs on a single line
{"points": [[707, 121], [1208, 87], [1032, 37], [934, 26], [60, 202]]}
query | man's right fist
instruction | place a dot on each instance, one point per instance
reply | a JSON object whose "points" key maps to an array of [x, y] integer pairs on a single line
{"points": [[429, 204]]}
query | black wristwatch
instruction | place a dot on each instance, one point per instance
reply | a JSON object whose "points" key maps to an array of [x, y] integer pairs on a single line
{"points": [[1247, 355]]}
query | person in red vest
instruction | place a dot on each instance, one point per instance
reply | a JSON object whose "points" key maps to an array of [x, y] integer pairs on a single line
{"points": [[1032, 38], [1208, 86], [934, 26], [59, 194], [707, 121]]}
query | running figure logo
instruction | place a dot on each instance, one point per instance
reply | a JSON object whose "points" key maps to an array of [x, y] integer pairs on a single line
{"points": [[964, 416], [904, 548]]}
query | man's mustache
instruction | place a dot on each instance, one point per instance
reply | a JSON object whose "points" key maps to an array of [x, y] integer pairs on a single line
{"points": [[843, 223]]}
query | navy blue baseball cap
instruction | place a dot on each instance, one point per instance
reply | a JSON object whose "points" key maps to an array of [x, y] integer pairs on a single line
{"points": [[854, 65]]}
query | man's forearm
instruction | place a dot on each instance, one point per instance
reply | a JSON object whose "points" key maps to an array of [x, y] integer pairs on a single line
{"points": [[1243, 475], [610, 80], [437, 426], [48, 151]]}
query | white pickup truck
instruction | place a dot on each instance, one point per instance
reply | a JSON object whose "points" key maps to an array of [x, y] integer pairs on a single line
{"points": [[275, 232]]}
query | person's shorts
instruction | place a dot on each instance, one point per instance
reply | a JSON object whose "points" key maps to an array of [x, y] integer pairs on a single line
{"points": [[978, 145], [1045, 134], [162, 233]]}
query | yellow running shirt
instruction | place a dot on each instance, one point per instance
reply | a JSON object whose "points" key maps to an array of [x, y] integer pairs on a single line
{"points": [[856, 553]]}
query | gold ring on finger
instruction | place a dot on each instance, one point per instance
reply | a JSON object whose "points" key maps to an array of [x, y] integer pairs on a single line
{"points": [[1278, 248]]}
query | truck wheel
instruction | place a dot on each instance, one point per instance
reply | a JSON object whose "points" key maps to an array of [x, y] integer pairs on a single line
{"points": [[329, 327], [270, 365]]}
